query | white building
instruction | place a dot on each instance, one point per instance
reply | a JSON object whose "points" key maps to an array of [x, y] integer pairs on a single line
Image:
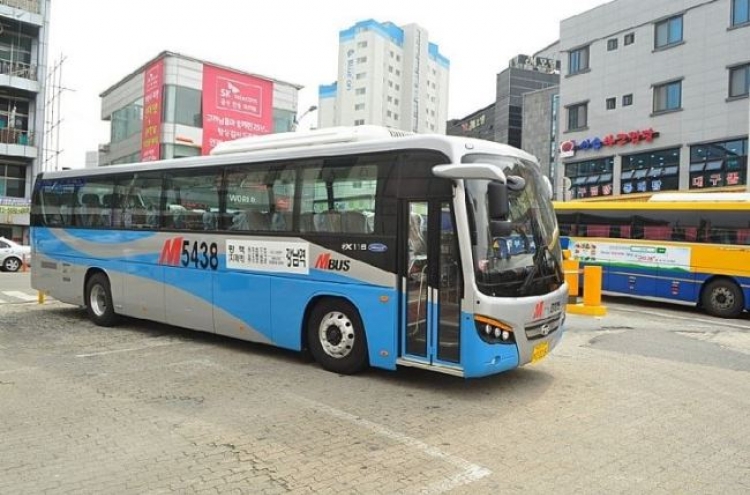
{"points": [[24, 30], [387, 75], [176, 106], [655, 99]]}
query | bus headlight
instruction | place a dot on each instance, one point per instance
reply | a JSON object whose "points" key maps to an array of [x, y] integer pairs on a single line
{"points": [[494, 331]]}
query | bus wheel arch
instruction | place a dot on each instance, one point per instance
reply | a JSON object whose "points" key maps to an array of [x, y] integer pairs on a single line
{"points": [[722, 297], [98, 299], [335, 335]]}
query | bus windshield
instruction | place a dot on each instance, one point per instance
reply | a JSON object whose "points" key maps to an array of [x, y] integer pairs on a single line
{"points": [[525, 261]]}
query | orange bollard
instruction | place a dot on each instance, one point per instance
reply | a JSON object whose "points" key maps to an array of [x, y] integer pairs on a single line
{"points": [[570, 268], [592, 285], [592, 294]]}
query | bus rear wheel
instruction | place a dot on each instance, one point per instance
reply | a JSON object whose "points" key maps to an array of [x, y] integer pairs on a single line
{"points": [[336, 337], [723, 298], [99, 304]]}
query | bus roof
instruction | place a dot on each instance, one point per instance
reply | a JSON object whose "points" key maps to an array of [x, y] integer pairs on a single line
{"points": [[312, 144]]}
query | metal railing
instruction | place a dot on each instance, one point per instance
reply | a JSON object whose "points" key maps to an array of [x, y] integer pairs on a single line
{"points": [[18, 69], [12, 135]]}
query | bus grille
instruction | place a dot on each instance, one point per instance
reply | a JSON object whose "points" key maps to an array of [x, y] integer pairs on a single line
{"points": [[543, 328]]}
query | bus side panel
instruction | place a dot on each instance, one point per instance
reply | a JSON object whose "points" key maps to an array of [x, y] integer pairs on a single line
{"points": [[629, 281], [137, 289], [245, 299], [681, 287], [377, 306], [192, 284]]}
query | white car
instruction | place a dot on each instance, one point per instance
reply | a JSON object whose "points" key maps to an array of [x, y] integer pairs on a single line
{"points": [[13, 255]]}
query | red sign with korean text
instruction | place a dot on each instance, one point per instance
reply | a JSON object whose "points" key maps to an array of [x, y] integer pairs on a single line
{"points": [[234, 106], [153, 81]]}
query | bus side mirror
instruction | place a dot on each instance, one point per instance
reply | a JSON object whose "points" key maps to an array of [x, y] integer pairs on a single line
{"points": [[497, 195]]}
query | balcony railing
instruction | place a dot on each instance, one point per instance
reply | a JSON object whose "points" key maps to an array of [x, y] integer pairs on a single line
{"points": [[12, 135], [18, 69], [27, 5]]}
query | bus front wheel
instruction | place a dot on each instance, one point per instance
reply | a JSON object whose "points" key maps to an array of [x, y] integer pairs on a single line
{"points": [[723, 298], [99, 304], [336, 337]]}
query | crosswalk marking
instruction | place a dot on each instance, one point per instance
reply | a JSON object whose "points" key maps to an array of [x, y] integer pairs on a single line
{"points": [[19, 295]]}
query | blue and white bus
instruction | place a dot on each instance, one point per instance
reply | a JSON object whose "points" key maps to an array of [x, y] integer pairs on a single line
{"points": [[365, 245]]}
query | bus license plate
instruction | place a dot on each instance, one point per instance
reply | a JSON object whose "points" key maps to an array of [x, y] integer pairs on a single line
{"points": [[539, 352]]}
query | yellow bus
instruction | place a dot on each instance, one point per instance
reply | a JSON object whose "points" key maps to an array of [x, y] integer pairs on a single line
{"points": [[677, 248]]}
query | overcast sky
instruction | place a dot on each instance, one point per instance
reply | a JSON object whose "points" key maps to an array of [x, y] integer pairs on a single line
{"points": [[101, 41]]}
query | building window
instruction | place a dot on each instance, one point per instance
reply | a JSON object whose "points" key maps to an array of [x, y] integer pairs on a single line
{"points": [[183, 106], [590, 178], [578, 60], [361, 75], [577, 116], [627, 100], [362, 44], [14, 121], [668, 32], [652, 171], [718, 164], [668, 96], [361, 60], [611, 103], [126, 121], [612, 44], [629, 39], [12, 180], [359, 122], [739, 81], [740, 12], [359, 91], [359, 106]]}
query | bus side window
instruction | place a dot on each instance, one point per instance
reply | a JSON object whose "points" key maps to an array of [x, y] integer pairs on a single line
{"points": [[597, 231], [657, 232], [743, 236]]}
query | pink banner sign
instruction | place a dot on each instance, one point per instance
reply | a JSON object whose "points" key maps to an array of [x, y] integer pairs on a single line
{"points": [[234, 106], [152, 89]]}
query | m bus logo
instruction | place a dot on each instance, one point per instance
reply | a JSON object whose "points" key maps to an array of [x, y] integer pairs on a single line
{"points": [[171, 252], [325, 262], [538, 310]]}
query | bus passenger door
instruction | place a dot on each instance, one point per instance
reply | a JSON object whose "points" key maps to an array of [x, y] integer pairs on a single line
{"points": [[431, 285]]}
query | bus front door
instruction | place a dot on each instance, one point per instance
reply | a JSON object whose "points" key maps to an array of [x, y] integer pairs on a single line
{"points": [[431, 285]]}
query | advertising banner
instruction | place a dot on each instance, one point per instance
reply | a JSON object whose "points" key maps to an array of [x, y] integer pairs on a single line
{"points": [[234, 105], [152, 89]]}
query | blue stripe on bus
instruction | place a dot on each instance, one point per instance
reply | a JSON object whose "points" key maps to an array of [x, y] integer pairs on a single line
{"points": [[481, 359], [273, 304]]}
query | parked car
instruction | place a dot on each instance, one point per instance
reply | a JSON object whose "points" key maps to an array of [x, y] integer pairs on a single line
{"points": [[13, 255]]}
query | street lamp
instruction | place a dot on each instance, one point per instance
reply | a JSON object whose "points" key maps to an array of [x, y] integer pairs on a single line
{"points": [[297, 120]]}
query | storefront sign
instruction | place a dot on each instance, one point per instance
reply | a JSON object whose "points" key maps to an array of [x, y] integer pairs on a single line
{"points": [[569, 148], [234, 105], [152, 88]]}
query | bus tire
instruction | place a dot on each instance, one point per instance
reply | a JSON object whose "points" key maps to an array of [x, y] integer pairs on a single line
{"points": [[336, 337], [723, 298], [99, 305]]}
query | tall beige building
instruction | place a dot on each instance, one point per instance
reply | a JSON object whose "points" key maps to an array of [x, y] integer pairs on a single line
{"points": [[387, 75]]}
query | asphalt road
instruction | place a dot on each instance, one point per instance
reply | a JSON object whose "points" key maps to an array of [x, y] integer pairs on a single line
{"points": [[643, 400]]}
